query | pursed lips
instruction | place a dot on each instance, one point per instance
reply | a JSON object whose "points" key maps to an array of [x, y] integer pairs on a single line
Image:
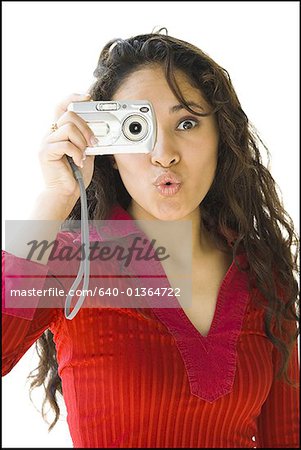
{"points": [[167, 178], [168, 184]]}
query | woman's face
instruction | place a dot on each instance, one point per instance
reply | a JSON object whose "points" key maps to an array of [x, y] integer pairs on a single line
{"points": [[186, 146]]}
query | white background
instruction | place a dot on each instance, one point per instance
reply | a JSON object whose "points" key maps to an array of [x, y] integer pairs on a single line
{"points": [[50, 49]]}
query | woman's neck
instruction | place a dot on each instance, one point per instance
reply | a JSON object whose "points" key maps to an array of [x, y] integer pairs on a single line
{"points": [[180, 235]]}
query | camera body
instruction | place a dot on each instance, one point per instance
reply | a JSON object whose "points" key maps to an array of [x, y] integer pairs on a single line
{"points": [[120, 126]]}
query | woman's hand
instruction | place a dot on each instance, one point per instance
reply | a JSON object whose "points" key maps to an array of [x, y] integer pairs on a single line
{"points": [[71, 138]]}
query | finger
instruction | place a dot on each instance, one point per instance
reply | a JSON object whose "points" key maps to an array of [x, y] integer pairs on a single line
{"points": [[63, 105], [57, 150], [68, 131], [72, 117]]}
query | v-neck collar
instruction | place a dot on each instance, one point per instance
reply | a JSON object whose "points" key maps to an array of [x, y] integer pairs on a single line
{"points": [[211, 360]]}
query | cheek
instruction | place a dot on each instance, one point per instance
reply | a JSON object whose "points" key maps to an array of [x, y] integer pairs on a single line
{"points": [[126, 163], [203, 160], [131, 168]]}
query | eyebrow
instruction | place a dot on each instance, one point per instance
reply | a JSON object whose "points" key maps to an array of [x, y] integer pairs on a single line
{"points": [[178, 107]]}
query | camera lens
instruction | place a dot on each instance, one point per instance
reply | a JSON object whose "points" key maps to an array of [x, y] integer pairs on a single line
{"points": [[135, 128]]}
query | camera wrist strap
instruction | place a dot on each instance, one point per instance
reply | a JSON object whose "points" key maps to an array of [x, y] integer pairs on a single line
{"points": [[84, 269]]}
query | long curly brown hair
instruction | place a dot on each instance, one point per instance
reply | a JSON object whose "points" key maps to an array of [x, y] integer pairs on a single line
{"points": [[243, 197]]}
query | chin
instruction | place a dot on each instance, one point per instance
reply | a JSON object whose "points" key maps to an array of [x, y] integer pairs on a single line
{"points": [[167, 217], [169, 213]]}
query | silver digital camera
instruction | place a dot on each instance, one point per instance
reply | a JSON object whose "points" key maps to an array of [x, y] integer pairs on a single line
{"points": [[120, 126]]}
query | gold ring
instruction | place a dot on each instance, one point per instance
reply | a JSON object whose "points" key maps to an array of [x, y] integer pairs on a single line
{"points": [[54, 127]]}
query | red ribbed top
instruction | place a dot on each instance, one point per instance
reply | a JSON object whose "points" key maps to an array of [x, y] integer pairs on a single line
{"points": [[153, 381]]}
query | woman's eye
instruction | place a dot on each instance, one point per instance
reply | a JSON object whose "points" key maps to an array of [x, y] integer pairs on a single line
{"points": [[187, 124]]}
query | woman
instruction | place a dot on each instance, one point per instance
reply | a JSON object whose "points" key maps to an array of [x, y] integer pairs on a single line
{"points": [[221, 372]]}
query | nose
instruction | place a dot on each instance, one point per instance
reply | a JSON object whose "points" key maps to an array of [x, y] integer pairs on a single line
{"points": [[164, 152]]}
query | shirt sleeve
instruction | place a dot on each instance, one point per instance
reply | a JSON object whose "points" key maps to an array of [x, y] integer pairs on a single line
{"points": [[278, 423], [22, 326]]}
